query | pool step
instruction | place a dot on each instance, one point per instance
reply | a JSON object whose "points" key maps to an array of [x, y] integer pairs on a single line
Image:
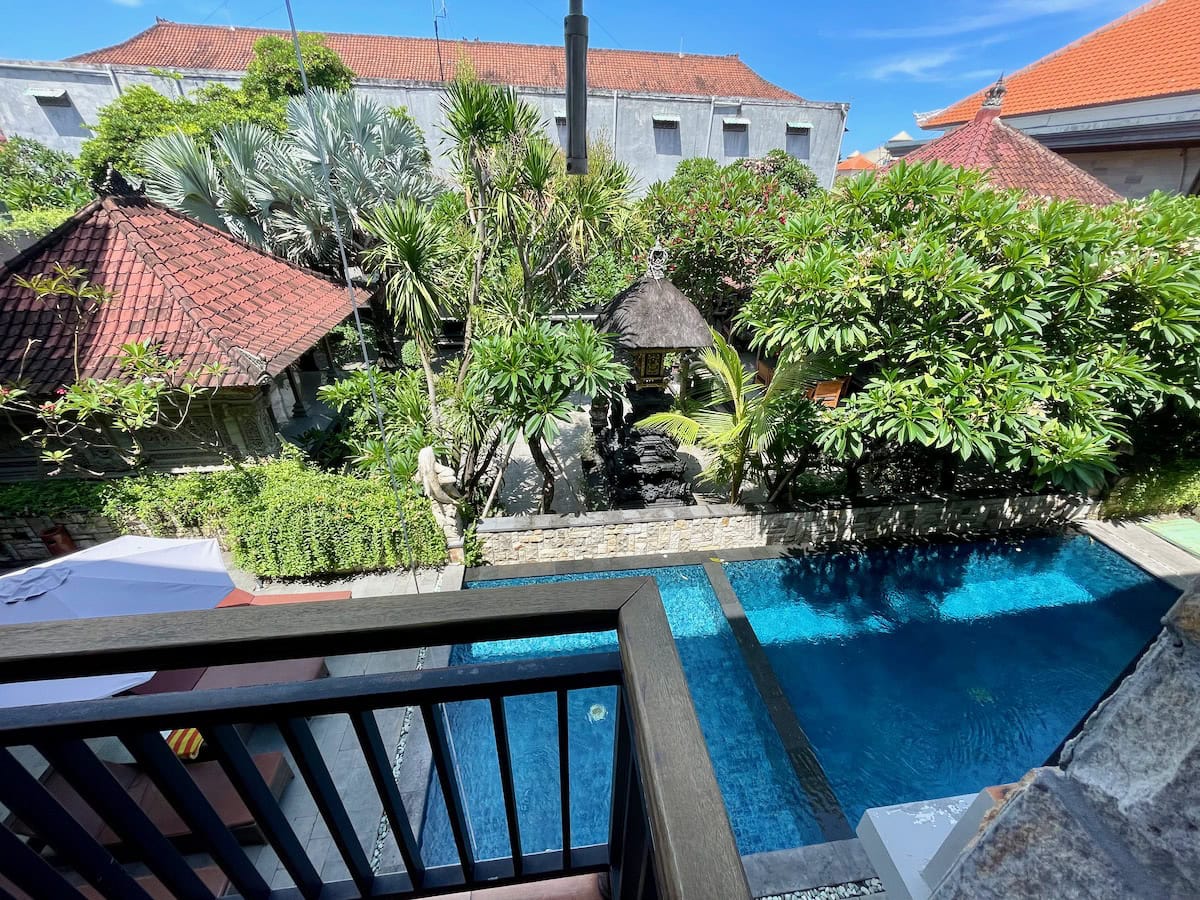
{"points": [[913, 845]]}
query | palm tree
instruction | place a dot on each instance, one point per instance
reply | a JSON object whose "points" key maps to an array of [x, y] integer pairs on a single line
{"points": [[410, 254], [734, 416], [269, 189]]}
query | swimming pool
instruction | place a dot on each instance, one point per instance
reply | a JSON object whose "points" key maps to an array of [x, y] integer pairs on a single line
{"points": [[933, 671], [917, 673]]}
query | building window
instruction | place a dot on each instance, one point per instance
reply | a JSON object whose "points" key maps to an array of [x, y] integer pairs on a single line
{"points": [[667, 140], [736, 133], [797, 139], [560, 125], [49, 96]]}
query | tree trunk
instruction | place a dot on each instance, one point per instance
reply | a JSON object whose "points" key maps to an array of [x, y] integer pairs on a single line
{"points": [[854, 478], [739, 472], [487, 507], [430, 384], [949, 473], [543, 464]]}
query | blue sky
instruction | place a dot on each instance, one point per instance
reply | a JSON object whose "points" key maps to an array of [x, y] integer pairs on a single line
{"points": [[886, 59]]}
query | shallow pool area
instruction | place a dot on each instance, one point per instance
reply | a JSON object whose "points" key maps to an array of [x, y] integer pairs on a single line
{"points": [[916, 673], [766, 806]]}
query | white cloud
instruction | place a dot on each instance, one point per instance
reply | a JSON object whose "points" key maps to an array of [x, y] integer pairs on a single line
{"points": [[1007, 12], [921, 66], [128, 2]]}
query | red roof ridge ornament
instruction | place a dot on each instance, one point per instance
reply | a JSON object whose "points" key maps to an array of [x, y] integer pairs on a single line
{"points": [[992, 101]]}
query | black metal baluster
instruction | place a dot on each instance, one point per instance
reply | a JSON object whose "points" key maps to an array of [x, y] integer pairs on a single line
{"points": [[504, 756], [171, 778], [247, 781], [564, 778], [443, 762], [380, 766], [29, 872], [32, 804], [316, 775], [76, 762], [622, 764], [635, 848]]}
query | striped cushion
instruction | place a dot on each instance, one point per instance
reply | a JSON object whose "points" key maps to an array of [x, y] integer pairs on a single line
{"points": [[185, 742]]}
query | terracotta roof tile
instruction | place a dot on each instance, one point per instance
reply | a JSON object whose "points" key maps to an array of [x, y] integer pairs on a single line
{"points": [[856, 163], [1012, 159], [178, 46], [146, 256], [1153, 51]]}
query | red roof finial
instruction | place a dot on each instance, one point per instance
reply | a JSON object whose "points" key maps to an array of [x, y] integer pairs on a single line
{"points": [[992, 101]]}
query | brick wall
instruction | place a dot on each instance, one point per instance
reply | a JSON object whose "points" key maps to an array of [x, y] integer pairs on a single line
{"points": [[513, 539]]}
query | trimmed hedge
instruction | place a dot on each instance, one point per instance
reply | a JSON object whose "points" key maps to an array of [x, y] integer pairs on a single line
{"points": [[280, 518], [1169, 488], [305, 522], [51, 497]]}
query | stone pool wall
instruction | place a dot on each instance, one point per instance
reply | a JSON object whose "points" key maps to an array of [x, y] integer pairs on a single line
{"points": [[515, 539]]}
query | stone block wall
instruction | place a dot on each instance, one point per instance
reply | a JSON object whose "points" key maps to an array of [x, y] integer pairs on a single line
{"points": [[514, 539], [21, 542]]}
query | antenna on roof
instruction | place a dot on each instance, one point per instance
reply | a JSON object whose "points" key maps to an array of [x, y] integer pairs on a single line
{"points": [[437, 38]]}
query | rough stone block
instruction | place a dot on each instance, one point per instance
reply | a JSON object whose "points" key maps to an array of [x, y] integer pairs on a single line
{"points": [[1045, 841]]}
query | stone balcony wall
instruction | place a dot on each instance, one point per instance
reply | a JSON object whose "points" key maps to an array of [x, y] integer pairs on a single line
{"points": [[520, 539]]}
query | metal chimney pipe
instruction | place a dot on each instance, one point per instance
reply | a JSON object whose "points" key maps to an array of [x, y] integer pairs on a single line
{"points": [[576, 29]]}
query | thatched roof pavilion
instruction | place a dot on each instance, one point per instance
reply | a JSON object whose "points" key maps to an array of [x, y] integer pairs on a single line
{"points": [[653, 314], [652, 317]]}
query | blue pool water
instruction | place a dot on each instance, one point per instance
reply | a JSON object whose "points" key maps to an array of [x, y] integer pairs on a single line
{"points": [[934, 671], [917, 673], [766, 806]]}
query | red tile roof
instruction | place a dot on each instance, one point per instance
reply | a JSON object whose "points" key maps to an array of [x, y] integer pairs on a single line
{"points": [[856, 163], [174, 45], [194, 291], [1153, 51], [1012, 159]]}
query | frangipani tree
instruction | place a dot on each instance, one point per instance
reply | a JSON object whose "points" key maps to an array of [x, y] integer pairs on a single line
{"points": [[1033, 335], [269, 189]]}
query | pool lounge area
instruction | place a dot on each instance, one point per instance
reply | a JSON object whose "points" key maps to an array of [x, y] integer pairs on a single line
{"points": [[912, 672]]}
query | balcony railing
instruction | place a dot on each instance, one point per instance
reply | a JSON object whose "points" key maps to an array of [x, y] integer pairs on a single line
{"points": [[669, 834]]}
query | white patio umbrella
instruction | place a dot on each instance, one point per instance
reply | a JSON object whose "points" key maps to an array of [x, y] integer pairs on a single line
{"points": [[127, 576]]}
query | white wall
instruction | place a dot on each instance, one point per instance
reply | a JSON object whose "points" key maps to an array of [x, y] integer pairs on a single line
{"points": [[625, 120], [1138, 173]]}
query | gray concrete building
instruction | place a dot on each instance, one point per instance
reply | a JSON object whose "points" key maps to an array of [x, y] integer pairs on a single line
{"points": [[1122, 103], [655, 109]]}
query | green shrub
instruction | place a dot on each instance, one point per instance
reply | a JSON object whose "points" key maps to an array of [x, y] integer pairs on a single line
{"points": [[306, 522], [162, 504], [51, 497], [1161, 490]]}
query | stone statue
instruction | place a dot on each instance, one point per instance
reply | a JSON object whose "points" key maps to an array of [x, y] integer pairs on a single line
{"points": [[440, 485]]}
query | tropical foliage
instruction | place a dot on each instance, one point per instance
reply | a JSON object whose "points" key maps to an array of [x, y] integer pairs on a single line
{"points": [[34, 177], [273, 72], [1168, 487], [718, 223], [747, 427], [269, 189], [1036, 336], [528, 377], [142, 113]]}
